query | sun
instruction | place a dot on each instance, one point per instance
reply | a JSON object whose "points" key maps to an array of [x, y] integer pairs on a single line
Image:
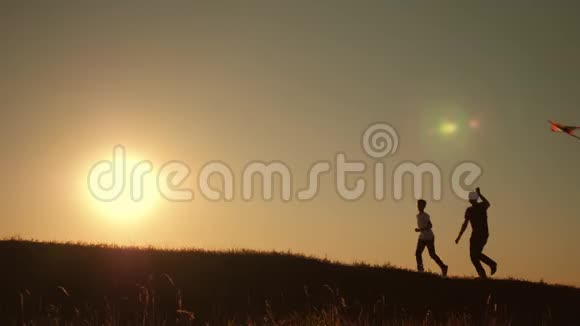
{"points": [[125, 209]]}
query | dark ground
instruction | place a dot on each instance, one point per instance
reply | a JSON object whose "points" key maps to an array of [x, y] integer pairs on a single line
{"points": [[96, 285]]}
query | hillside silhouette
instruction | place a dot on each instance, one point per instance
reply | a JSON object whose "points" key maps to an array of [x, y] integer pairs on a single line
{"points": [[77, 284]]}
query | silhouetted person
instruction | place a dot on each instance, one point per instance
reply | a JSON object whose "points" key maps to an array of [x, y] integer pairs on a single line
{"points": [[426, 238], [477, 216]]}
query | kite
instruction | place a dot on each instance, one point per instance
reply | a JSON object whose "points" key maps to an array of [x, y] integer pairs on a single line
{"points": [[569, 130]]}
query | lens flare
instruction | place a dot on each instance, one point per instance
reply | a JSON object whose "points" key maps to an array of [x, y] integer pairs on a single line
{"points": [[474, 124], [448, 128]]}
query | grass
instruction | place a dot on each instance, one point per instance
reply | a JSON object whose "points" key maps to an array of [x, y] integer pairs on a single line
{"points": [[79, 284]]}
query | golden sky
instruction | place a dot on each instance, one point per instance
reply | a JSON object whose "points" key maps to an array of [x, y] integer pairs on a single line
{"points": [[295, 82]]}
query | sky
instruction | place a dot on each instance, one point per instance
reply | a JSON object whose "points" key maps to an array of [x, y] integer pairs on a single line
{"points": [[295, 82]]}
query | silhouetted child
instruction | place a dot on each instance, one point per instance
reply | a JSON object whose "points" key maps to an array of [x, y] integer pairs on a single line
{"points": [[477, 216], [426, 238]]}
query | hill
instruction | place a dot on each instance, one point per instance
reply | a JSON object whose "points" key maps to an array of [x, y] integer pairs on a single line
{"points": [[103, 285]]}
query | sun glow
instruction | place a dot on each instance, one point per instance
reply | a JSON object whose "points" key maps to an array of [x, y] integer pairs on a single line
{"points": [[125, 209]]}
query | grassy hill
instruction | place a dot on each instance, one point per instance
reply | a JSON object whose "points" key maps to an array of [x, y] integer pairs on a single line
{"points": [[49, 283]]}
